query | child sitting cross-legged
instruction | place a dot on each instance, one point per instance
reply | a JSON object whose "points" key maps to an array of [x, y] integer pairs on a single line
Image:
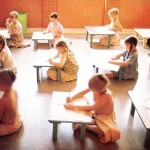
{"points": [[103, 108]]}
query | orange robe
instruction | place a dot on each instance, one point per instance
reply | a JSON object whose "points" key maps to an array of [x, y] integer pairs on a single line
{"points": [[108, 127]]}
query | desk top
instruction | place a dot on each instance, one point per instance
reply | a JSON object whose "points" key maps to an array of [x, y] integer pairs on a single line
{"points": [[41, 36], [58, 113], [100, 59], [141, 100], [99, 30], [42, 57], [143, 32], [5, 33]]}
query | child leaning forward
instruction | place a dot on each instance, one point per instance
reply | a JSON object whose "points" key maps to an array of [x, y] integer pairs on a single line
{"points": [[103, 107], [127, 60]]}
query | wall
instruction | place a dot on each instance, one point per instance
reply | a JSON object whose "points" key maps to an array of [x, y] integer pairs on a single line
{"points": [[78, 13], [33, 8], [133, 13]]}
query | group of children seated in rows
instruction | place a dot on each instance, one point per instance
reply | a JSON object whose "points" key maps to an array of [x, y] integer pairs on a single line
{"points": [[103, 104]]}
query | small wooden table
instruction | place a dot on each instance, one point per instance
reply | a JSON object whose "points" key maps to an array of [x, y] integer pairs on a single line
{"points": [[40, 36], [144, 33], [5, 33], [41, 60], [100, 59], [139, 100], [98, 30], [59, 114]]}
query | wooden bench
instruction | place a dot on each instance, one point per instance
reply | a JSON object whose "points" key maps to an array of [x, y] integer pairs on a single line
{"points": [[98, 30], [58, 114], [41, 60], [100, 60], [144, 33], [40, 36], [139, 102]]}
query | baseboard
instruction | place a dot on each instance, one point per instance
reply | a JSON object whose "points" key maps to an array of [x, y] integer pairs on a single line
{"points": [[76, 32]]}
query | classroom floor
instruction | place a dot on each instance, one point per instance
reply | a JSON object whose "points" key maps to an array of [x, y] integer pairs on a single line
{"points": [[35, 98]]}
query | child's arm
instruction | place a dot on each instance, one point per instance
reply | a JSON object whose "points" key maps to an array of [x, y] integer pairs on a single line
{"points": [[8, 26], [78, 95], [119, 62], [58, 64], [95, 106]]}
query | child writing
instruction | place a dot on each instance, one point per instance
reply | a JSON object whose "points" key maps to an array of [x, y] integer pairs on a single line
{"points": [[55, 28], [129, 63], [6, 57], [10, 120], [103, 107], [67, 63], [14, 28], [114, 26]]}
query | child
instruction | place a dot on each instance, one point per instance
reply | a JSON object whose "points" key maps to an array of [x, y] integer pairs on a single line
{"points": [[6, 57], [55, 28], [103, 107], [14, 28], [68, 64], [129, 63], [10, 120], [114, 26]]}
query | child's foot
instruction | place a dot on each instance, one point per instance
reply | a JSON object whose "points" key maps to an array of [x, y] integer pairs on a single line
{"points": [[76, 127]]}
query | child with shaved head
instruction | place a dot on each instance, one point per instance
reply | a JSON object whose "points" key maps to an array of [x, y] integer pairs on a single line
{"points": [[10, 120], [103, 108]]}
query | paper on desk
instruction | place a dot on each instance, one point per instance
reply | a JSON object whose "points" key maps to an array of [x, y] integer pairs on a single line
{"points": [[60, 100]]}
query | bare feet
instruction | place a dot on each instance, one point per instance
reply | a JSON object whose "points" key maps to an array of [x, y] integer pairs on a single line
{"points": [[76, 127]]}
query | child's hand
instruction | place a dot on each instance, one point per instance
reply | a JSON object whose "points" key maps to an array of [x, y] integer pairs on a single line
{"points": [[68, 99], [69, 106], [51, 61]]}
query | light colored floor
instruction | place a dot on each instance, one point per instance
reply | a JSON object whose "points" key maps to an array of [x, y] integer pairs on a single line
{"points": [[34, 103]]}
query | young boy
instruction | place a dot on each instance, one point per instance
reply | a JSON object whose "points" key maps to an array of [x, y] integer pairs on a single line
{"points": [[14, 28], [103, 108], [10, 120], [129, 63]]}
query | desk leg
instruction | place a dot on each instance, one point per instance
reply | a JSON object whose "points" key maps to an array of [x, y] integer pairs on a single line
{"points": [[87, 34], [147, 139], [50, 43], [82, 132], [109, 40], [58, 74], [91, 40], [35, 43], [97, 69], [55, 128], [132, 109], [38, 74]]}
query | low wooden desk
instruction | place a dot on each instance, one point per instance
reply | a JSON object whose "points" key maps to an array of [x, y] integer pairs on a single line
{"points": [[58, 114], [41, 60], [5, 33], [100, 59], [144, 33], [138, 100], [40, 36], [98, 30]]}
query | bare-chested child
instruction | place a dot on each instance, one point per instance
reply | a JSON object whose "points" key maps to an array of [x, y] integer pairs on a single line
{"points": [[10, 120], [103, 108]]}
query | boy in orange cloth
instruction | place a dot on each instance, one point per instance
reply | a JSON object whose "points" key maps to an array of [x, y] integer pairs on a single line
{"points": [[103, 108]]}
